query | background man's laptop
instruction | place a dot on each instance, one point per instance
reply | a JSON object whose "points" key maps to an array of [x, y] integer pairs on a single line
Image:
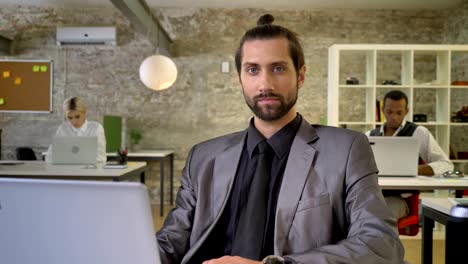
{"points": [[396, 156], [74, 150], [75, 222]]}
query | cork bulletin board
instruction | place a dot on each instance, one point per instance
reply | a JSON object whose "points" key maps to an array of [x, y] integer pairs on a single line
{"points": [[26, 86]]}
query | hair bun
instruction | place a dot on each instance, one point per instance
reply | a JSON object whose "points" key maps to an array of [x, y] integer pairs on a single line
{"points": [[266, 19]]}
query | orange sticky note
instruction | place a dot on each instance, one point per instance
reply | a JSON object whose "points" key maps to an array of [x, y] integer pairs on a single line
{"points": [[2, 101], [17, 81], [6, 74]]}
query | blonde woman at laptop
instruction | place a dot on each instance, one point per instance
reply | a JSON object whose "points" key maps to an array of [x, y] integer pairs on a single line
{"points": [[76, 124]]}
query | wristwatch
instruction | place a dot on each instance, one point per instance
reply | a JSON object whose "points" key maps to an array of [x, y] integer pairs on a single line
{"points": [[272, 259]]}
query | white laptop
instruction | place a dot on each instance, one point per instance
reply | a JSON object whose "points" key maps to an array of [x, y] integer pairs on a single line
{"points": [[75, 222], [74, 150], [396, 156]]}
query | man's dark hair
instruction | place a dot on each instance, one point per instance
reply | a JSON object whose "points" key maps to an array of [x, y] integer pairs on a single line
{"points": [[396, 95], [266, 30]]}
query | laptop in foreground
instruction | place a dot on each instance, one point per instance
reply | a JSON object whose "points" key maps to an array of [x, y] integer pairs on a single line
{"points": [[74, 150], [396, 156], [75, 222]]}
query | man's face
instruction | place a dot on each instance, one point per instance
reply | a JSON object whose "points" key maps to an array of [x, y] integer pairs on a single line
{"points": [[395, 112], [76, 118], [268, 78]]}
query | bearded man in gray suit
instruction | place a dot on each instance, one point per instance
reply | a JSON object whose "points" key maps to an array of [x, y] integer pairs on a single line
{"points": [[320, 201]]}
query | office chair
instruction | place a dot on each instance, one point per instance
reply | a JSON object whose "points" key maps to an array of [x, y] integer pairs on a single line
{"points": [[409, 225], [25, 153]]}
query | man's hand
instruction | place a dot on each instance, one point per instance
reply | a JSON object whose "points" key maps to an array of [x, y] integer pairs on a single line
{"points": [[425, 170], [231, 260]]}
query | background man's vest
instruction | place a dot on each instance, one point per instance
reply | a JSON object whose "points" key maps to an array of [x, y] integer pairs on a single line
{"points": [[407, 130]]}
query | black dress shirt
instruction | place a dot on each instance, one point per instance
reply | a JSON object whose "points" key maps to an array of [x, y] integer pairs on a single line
{"points": [[219, 243]]}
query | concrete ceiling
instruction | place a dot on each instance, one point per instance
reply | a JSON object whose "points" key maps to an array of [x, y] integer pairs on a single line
{"points": [[267, 4]]}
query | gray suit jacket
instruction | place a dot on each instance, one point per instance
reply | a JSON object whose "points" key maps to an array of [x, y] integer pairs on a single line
{"points": [[330, 207]]}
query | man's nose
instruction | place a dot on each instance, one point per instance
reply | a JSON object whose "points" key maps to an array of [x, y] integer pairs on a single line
{"points": [[266, 81]]}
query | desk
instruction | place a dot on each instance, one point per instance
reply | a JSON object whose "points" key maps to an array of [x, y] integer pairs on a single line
{"points": [[43, 170], [155, 155], [456, 231], [423, 183]]}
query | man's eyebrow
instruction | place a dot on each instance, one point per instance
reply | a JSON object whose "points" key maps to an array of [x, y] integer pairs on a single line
{"points": [[280, 63], [249, 63], [272, 63]]}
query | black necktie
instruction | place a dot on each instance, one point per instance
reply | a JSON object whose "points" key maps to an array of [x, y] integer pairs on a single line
{"points": [[248, 240]]}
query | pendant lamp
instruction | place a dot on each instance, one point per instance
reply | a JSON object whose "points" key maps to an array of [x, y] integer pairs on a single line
{"points": [[158, 72]]}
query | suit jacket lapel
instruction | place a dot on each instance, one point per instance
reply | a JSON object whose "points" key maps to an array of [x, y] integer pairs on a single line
{"points": [[295, 175], [224, 171]]}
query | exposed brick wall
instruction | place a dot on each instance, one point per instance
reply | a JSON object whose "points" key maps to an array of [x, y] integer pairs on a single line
{"points": [[203, 102]]}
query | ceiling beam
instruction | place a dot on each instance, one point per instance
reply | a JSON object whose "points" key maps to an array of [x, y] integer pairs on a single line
{"points": [[140, 16], [6, 45]]}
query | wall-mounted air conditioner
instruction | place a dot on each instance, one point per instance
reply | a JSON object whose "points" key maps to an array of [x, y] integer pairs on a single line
{"points": [[86, 35]]}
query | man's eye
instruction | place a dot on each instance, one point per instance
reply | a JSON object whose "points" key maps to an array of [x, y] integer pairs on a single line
{"points": [[252, 70], [278, 69]]}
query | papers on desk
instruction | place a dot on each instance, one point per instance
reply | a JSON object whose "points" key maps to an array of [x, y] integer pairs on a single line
{"points": [[115, 165], [11, 162]]}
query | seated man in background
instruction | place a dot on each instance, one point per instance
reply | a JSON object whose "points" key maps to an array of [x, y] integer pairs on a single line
{"points": [[76, 124], [432, 159]]}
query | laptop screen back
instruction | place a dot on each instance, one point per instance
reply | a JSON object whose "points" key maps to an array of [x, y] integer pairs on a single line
{"points": [[74, 150], [396, 156], [75, 222]]}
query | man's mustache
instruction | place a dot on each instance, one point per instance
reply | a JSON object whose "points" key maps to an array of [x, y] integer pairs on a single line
{"points": [[267, 95]]}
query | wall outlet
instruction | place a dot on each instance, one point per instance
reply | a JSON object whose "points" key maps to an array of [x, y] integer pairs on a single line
{"points": [[225, 67]]}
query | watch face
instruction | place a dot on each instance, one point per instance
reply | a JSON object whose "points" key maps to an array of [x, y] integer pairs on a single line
{"points": [[273, 260]]}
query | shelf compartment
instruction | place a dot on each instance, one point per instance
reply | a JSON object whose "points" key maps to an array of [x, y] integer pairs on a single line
{"points": [[458, 140], [459, 66], [394, 65], [357, 64], [433, 103], [431, 68], [356, 105]]}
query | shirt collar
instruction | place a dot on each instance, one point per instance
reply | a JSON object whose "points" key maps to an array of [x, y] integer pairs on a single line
{"points": [[82, 129], [397, 131], [280, 142]]}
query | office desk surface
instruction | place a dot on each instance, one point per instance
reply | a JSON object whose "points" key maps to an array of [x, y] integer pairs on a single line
{"points": [[145, 153], [440, 204], [40, 169], [155, 155], [422, 183], [438, 209]]}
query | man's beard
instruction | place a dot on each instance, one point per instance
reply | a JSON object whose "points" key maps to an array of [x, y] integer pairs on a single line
{"points": [[270, 112]]}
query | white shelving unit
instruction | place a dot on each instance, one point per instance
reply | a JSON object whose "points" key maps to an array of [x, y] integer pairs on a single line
{"points": [[423, 72]]}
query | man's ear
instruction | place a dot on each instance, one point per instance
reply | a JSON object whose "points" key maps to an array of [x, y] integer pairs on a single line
{"points": [[301, 76]]}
